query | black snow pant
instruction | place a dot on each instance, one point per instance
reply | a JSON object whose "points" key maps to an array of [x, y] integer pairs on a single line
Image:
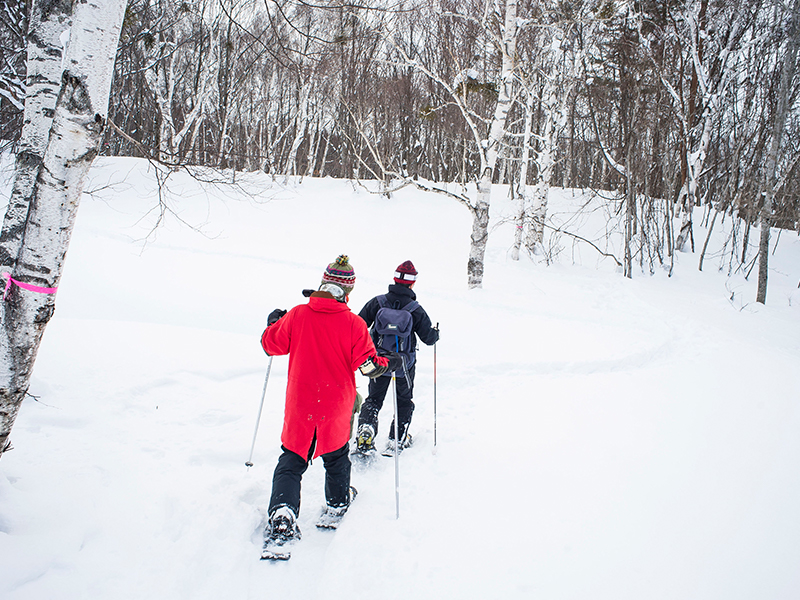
{"points": [[378, 388], [289, 473]]}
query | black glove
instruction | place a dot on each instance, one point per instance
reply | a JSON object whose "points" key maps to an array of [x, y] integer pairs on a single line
{"points": [[275, 316], [372, 369], [395, 360]]}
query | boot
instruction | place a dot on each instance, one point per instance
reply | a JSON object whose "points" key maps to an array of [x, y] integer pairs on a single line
{"points": [[406, 442], [365, 439], [332, 516], [280, 535]]}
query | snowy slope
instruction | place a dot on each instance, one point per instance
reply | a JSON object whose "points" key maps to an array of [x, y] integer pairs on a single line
{"points": [[598, 438]]}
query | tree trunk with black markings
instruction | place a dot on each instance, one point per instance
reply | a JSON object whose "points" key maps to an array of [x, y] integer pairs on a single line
{"points": [[45, 230]]}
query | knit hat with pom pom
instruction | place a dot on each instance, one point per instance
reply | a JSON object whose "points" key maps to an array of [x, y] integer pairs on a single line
{"points": [[340, 272]]}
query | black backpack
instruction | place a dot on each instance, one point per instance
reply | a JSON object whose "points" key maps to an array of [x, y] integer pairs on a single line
{"points": [[392, 329]]}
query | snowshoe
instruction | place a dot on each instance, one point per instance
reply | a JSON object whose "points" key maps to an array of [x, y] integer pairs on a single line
{"points": [[280, 535], [332, 516], [364, 453], [406, 443], [363, 461], [365, 439]]}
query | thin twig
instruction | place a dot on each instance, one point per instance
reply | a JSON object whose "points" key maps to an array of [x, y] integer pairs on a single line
{"points": [[583, 239]]}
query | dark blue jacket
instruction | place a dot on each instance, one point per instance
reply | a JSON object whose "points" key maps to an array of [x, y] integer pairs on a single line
{"points": [[398, 296]]}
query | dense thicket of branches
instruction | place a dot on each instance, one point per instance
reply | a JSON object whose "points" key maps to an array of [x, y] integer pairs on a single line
{"points": [[13, 27], [671, 103]]}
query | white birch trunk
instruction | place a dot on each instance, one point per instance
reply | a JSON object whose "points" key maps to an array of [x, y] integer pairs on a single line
{"points": [[48, 25], [554, 117], [162, 58], [192, 121], [325, 155], [490, 150], [222, 136], [160, 77], [695, 162], [78, 121], [301, 126], [489, 147], [201, 97], [313, 147], [522, 188], [556, 91], [710, 92]]}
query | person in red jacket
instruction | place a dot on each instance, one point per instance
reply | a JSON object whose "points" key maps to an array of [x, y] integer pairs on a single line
{"points": [[326, 344]]}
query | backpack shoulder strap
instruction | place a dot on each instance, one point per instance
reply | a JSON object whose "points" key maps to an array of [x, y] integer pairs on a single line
{"points": [[383, 301], [411, 306]]}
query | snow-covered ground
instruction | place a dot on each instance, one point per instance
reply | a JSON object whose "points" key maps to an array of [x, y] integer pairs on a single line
{"points": [[598, 437]]}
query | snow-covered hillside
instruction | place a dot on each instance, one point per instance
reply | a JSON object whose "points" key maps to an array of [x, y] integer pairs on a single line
{"points": [[598, 437]]}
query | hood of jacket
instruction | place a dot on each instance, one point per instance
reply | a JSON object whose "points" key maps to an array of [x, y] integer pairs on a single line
{"points": [[325, 302]]}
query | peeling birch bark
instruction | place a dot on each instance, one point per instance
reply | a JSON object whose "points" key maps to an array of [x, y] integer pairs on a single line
{"points": [[48, 23], [78, 122], [490, 149]]}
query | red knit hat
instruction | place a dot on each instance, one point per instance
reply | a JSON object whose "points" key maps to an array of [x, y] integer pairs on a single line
{"points": [[405, 274]]}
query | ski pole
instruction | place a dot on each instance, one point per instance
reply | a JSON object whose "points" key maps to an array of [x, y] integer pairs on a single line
{"points": [[396, 447], [249, 462], [434, 393]]}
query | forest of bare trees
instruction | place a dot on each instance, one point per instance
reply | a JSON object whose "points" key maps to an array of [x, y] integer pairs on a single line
{"points": [[673, 105]]}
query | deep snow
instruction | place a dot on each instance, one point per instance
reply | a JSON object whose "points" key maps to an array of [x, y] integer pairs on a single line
{"points": [[598, 437]]}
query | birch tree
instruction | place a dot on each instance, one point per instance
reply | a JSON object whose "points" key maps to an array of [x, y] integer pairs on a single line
{"points": [[788, 71], [487, 133], [490, 147], [159, 48], [48, 24], [548, 85], [523, 225], [302, 50], [710, 45], [33, 274]]}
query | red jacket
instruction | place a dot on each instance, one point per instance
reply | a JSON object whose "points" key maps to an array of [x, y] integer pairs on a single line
{"points": [[326, 344]]}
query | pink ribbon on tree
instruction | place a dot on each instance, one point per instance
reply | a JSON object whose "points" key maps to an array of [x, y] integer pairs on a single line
{"points": [[25, 286]]}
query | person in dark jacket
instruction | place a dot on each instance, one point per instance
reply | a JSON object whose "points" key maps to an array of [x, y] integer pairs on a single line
{"points": [[400, 294], [326, 344]]}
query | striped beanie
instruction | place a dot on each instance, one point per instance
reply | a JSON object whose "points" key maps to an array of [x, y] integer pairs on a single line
{"points": [[340, 273], [405, 274]]}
